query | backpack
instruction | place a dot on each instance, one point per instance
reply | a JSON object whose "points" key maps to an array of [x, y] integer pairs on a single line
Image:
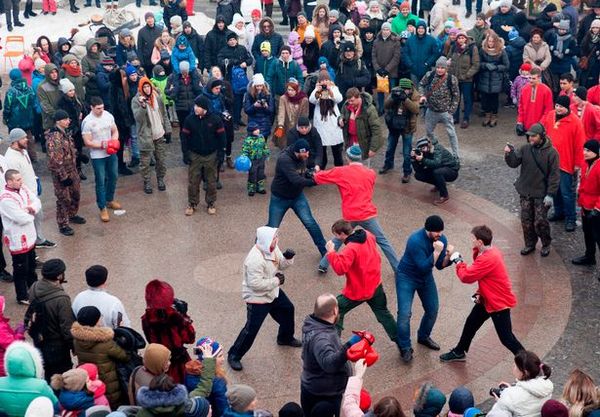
{"points": [[239, 80], [36, 319], [130, 341]]}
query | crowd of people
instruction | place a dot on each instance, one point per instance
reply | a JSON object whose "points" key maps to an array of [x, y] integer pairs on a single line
{"points": [[345, 76]]}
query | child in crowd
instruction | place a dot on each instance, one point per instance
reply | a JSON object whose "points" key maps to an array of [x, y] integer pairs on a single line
{"points": [[263, 62], [519, 82], [159, 81], [7, 334], [93, 384], [72, 394], [256, 148], [297, 54]]}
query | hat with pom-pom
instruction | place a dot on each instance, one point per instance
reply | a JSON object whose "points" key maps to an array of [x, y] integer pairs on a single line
{"points": [[215, 346]]}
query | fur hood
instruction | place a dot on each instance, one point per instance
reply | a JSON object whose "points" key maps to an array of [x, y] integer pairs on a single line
{"points": [[23, 360], [147, 398], [498, 45], [263, 20], [92, 334]]}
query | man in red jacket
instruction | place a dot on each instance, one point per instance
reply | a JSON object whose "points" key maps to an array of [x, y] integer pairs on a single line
{"points": [[361, 263], [534, 103], [587, 113], [356, 183], [567, 135], [494, 297]]}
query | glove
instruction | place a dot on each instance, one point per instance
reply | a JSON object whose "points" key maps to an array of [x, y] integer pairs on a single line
{"points": [[520, 129], [67, 182], [382, 72], [456, 257], [289, 254], [279, 132], [281, 277], [363, 349], [84, 158], [491, 67], [548, 201]]}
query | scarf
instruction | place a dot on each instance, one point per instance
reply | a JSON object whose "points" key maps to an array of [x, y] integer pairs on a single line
{"points": [[595, 38], [297, 98], [561, 40], [73, 72], [155, 119], [326, 108]]}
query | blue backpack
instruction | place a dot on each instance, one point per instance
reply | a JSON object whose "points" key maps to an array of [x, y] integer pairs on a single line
{"points": [[239, 80]]}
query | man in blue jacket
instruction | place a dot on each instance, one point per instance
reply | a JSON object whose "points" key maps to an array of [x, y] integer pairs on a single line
{"points": [[420, 53], [425, 248]]}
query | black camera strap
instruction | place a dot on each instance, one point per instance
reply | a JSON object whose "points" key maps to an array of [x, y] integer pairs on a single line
{"points": [[537, 163]]}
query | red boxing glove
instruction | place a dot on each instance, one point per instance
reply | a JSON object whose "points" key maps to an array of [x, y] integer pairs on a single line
{"points": [[114, 143], [363, 349], [111, 151]]}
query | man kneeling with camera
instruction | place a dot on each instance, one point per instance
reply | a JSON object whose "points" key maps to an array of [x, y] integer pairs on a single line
{"points": [[434, 165]]}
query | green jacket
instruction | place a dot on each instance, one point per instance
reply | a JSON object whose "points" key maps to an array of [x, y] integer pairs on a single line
{"points": [[441, 157], [160, 83], [142, 121], [478, 34], [204, 387], [48, 95], [24, 381], [255, 147], [368, 126], [464, 65], [399, 23]]}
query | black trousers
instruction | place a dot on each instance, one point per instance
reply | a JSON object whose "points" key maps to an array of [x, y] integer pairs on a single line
{"points": [[489, 102], [591, 233], [502, 324], [336, 151], [438, 177], [282, 311], [308, 401], [57, 359], [181, 115], [11, 7], [24, 273], [2, 259]]}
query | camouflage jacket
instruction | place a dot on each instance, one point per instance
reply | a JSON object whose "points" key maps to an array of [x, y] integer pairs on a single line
{"points": [[62, 154], [255, 147]]}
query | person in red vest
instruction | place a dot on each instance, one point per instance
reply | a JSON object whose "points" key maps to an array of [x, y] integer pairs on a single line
{"points": [[567, 135], [494, 297], [534, 103], [589, 200], [588, 113]]}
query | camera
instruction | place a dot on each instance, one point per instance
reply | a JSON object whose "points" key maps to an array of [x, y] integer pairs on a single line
{"points": [[180, 305], [323, 87], [399, 95], [417, 152], [226, 116], [498, 391], [262, 102]]}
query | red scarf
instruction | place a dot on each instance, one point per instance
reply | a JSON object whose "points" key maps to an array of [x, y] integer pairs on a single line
{"points": [[297, 98], [73, 72]]}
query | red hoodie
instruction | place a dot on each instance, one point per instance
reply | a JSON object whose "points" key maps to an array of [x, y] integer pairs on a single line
{"points": [[489, 271], [589, 187], [567, 137], [361, 263], [593, 95], [590, 118], [355, 183], [530, 112]]}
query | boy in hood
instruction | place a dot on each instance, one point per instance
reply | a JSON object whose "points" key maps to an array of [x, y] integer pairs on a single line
{"points": [[182, 52]]}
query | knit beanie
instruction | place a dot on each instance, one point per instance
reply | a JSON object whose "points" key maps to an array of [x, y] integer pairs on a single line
{"points": [[430, 400], [265, 46], [303, 121], [434, 224], [301, 145], [39, 63], [96, 275], [405, 83], [215, 346], [197, 407], [291, 409], [15, 74], [505, 3], [258, 79], [155, 358], [240, 396], [60, 114], [203, 102], [130, 69], [52, 268], [88, 316], [107, 61], [158, 70], [309, 32], [595, 24], [471, 412], [74, 379], [442, 62], [354, 153], [231, 35], [460, 399], [334, 13], [68, 58], [66, 85], [563, 101], [175, 20], [592, 145], [386, 25], [553, 408]]}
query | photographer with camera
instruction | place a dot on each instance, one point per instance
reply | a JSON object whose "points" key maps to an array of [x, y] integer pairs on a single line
{"points": [[166, 322], [305, 130], [263, 296], [401, 111], [259, 105], [494, 297], [434, 165]]}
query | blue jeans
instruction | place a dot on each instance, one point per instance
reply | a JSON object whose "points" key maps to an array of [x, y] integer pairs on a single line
{"points": [[279, 206], [427, 292], [391, 151], [564, 202], [105, 172], [478, 6], [373, 226], [466, 92], [135, 149]]}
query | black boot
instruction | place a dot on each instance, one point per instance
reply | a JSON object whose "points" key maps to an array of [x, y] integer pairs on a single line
{"points": [[72, 8]]}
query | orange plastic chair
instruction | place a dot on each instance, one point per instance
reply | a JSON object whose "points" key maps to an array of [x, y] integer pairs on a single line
{"points": [[14, 47]]}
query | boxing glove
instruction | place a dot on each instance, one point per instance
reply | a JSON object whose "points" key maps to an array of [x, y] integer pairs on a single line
{"points": [[111, 151], [114, 143], [363, 349]]}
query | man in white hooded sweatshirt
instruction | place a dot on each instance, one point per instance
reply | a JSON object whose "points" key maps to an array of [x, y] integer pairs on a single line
{"points": [[261, 292]]}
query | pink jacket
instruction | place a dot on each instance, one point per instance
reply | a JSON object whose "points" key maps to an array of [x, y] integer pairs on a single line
{"points": [[351, 401], [7, 335]]}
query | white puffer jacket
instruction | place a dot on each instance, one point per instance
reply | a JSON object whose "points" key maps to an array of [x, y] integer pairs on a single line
{"points": [[524, 399], [19, 229], [329, 130]]}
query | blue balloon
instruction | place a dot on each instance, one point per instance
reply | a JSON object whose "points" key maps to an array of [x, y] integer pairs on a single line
{"points": [[242, 163]]}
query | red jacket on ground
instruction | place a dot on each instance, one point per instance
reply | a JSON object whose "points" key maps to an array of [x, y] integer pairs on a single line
{"points": [[589, 187], [531, 112], [593, 95], [355, 183], [361, 263], [590, 118], [567, 136], [489, 271]]}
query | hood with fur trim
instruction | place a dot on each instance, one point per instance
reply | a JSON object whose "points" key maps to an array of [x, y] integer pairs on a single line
{"points": [[92, 334], [498, 44], [23, 360], [162, 400]]}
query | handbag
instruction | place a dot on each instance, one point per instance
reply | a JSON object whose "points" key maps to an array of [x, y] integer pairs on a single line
{"points": [[584, 62], [383, 84]]}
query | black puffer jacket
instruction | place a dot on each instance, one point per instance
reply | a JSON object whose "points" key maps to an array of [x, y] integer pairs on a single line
{"points": [[230, 57], [439, 158], [183, 91], [352, 73], [492, 68], [213, 43]]}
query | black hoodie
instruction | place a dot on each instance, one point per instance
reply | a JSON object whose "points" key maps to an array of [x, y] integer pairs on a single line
{"points": [[215, 40], [289, 178]]}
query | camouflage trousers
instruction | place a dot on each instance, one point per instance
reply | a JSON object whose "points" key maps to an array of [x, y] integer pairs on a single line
{"points": [[160, 155], [67, 199], [256, 175], [534, 221]]}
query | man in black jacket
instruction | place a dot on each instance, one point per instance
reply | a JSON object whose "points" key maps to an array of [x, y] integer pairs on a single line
{"points": [[287, 191], [215, 40], [196, 42], [146, 37], [352, 72], [304, 130], [435, 165], [203, 139], [325, 369]]}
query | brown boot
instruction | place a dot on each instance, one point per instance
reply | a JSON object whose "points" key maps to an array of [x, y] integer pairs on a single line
{"points": [[493, 120], [104, 215], [486, 121]]}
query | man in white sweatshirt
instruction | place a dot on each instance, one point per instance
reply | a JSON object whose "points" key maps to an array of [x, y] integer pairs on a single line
{"points": [[4, 274], [18, 207], [17, 158]]}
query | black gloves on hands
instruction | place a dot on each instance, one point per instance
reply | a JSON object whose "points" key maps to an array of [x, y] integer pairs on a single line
{"points": [[289, 254]]}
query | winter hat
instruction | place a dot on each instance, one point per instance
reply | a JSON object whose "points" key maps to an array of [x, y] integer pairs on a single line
{"points": [[449, 24], [303, 121], [252, 126], [202, 102], [130, 69], [354, 153], [60, 115], [348, 47], [461, 33], [231, 35], [563, 24], [187, 24], [592, 145], [107, 61], [460, 399], [525, 67], [349, 25], [74, 379], [404, 5], [442, 62], [52, 268], [300, 146], [16, 134], [88, 316], [214, 83], [216, 346], [309, 32], [373, 3], [405, 83], [91, 369], [536, 129], [550, 7], [434, 224], [175, 20], [155, 358], [553, 408], [39, 63], [481, 16], [255, 13], [513, 34], [285, 48], [430, 400], [97, 411], [164, 55], [265, 46], [258, 79], [507, 3], [334, 13], [66, 85], [472, 412], [563, 101], [96, 275], [581, 92], [453, 32], [125, 32], [240, 396], [301, 14], [15, 74], [147, 15], [157, 70], [184, 66], [160, 294], [197, 406], [40, 407], [220, 18], [595, 24], [386, 25], [291, 409], [68, 58]]}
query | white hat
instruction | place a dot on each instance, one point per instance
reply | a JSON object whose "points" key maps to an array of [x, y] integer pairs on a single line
{"points": [[349, 25], [258, 79], [66, 85], [309, 32]]}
